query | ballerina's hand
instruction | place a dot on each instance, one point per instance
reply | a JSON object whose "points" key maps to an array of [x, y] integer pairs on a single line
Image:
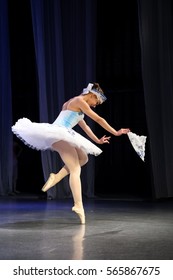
{"points": [[123, 131], [104, 139]]}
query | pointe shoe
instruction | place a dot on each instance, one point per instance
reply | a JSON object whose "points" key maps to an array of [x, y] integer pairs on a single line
{"points": [[50, 183], [80, 212]]}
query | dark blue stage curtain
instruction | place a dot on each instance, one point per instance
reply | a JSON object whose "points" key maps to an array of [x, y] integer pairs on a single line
{"points": [[6, 155], [64, 38], [156, 37]]}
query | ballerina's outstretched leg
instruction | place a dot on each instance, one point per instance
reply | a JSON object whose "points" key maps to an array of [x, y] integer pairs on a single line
{"points": [[55, 178]]}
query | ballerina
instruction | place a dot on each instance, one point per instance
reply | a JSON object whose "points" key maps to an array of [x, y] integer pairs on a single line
{"points": [[72, 147]]}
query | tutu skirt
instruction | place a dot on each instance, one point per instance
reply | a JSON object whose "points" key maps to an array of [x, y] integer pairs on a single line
{"points": [[41, 136]]}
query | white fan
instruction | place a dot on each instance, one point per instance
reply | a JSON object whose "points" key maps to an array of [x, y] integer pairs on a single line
{"points": [[138, 143]]}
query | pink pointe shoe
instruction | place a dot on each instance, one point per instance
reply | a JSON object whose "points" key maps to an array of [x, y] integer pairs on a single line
{"points": [[50, 182], [80, 212]]}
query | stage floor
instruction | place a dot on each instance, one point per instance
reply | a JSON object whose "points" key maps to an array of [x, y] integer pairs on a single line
{"points": [[33, 228]]}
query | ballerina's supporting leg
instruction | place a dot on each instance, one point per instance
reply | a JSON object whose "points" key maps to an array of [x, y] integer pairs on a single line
{"points": [[72, 157]]}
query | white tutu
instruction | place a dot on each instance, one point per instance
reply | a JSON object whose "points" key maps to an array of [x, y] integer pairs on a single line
{"points": [[41, 136], [138, 143]]}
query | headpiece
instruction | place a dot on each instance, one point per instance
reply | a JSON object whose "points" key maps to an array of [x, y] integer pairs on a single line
{"points": [[101, 97]]}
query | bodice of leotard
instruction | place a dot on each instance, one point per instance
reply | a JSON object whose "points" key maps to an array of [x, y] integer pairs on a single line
{"points": [[68, 118]]}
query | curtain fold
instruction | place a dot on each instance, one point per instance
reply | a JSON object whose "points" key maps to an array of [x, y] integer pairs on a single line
{"points": [[65, 57], [6, 140], [156, 28]]}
